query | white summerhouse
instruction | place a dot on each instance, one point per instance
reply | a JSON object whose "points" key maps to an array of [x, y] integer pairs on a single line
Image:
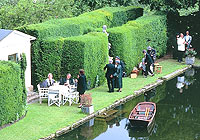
{"points": [[12, 44]]}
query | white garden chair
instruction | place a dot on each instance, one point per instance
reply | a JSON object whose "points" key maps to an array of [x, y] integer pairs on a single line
{"points": [[43, 93], [53, 97], [71, 96]]}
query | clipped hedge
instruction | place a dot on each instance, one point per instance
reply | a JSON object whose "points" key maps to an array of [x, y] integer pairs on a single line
{"points": [[46, 58], [87, 22], [129, 40], [89, 52], [11, 93], [67, 55], [46, 52]]}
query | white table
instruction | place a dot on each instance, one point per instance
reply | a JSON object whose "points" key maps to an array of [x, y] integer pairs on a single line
{"points": [[65, 93], [60, 90]]}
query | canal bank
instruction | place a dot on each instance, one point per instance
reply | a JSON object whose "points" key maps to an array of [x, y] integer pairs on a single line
{"points": [[123, 100], [176, 116], [42, 120]]}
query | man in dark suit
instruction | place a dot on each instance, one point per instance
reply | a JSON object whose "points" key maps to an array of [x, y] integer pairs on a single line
{"points": [[109, 75], [67, 81], [148, 62]]}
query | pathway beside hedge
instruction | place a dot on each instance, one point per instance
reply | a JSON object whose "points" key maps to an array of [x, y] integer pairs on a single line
{"points": [[41, 120]]}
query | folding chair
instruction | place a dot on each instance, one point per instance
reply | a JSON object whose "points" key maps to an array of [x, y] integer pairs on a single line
{"points": [[53, 97], [43, 93]]}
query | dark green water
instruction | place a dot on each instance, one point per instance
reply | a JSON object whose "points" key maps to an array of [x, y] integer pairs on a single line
{"points": [[177, 116]]}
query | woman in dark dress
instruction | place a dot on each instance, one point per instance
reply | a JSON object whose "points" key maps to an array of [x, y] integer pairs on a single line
{"points": [[82, 84]]}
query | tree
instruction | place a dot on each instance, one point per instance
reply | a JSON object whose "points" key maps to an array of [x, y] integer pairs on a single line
{"points": [[169, 5]]}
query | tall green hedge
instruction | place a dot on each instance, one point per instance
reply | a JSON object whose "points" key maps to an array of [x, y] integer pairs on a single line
{"points": [[67, 55], [129, 40], [89, 52], [87, 22], [46, 58], [11, 92], [46, 52]]}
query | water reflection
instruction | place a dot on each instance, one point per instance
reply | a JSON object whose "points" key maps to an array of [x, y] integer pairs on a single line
{"points": [[185, 80], [177, 116]]}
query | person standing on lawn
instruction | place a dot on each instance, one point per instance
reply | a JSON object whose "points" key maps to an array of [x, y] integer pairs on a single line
{"points": [[82, 84], [118, 75], [181, 47], [188, 39], [109, 75], [148, 62]]}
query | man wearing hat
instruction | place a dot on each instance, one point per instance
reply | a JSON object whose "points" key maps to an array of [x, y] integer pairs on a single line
{"points": [[109, 75]]}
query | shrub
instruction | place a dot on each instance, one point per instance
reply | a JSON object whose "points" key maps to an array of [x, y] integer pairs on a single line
{"points": [[46, 58], [129, 40], [110, 16], [11, 92], [89, 52]]}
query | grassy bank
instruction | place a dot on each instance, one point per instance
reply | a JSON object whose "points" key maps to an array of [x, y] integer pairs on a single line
{"points": [[42, 120]]}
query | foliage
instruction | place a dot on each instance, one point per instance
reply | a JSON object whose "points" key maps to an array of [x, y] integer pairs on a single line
{"points": [[81, 6], [46, 51], [190, 52], [21, 12], [46, 58], [89, 52], [129, 40], [169, 5], [23, 64], [87, 22], [11, 92]]}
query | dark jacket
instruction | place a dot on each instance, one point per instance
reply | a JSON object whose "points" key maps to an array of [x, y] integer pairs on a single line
{"points": [[110, 70], [82, 84], [148, 59], [64, 80]]}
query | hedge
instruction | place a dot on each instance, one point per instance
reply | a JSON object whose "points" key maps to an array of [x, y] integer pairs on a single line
{"points": [[129, 40], [46, 58], [12, 106], [89, 52], [67, 55], [87, 22]]}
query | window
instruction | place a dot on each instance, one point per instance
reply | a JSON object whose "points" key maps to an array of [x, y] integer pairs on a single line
{"points": [[13, 57]]}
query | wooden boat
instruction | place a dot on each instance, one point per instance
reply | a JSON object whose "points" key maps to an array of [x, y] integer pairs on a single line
{"points": [[143, 114]]}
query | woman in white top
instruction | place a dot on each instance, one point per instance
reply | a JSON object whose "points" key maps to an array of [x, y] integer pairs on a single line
{"points": [[181, 47]]}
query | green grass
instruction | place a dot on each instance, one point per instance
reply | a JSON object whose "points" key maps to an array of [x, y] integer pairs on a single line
{"points": [[42, 120]]}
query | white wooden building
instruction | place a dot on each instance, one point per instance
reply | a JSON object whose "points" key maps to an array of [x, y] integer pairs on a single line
{"points": [[12, 44]]}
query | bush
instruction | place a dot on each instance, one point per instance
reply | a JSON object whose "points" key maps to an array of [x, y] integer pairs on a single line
{"points": [[46, 58], [89, 52], [129, 40], [87, 22], [11, 92]]}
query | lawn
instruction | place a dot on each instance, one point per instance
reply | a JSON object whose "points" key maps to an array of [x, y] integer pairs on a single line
{"points": [[42, 120]]}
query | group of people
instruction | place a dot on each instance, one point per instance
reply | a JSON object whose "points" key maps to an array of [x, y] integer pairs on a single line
{"points": [[80, 82], [148, 61], [114, 73], [183, 43]]}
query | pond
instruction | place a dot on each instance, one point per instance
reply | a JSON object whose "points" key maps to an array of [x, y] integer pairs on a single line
{"points": [[177, 116]]}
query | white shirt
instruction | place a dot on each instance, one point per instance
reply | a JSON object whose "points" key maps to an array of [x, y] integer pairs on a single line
{"points": [[181, 45]]}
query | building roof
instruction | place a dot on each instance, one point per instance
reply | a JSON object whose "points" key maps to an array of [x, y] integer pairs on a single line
{"points": [[4, 33]]}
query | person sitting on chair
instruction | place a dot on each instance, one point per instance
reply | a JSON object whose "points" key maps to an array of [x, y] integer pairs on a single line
{"points": [[67, 81], [49, 81]]}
